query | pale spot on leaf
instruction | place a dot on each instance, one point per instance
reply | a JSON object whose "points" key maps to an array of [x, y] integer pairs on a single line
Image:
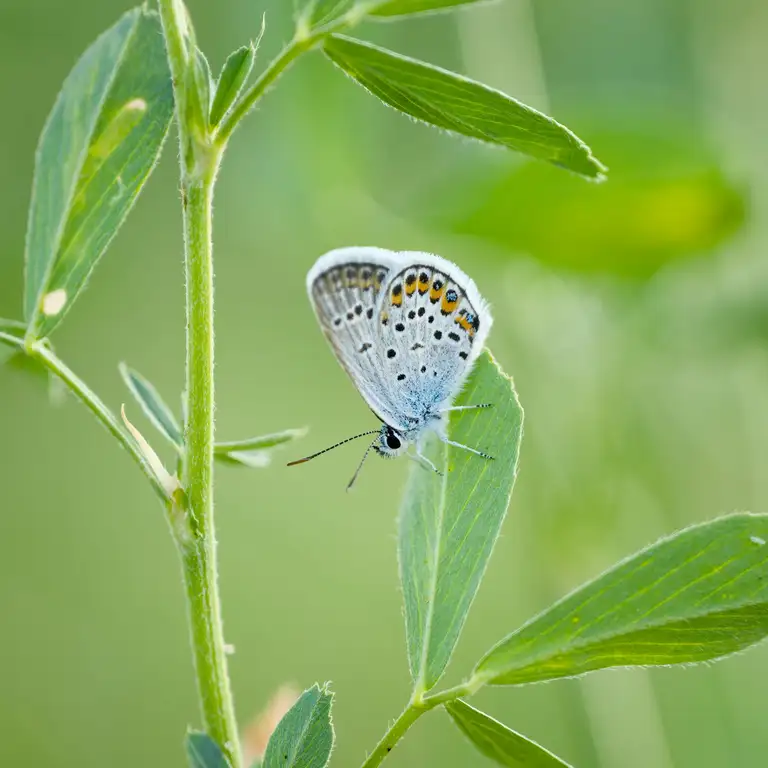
{"points": [[757, 540], [118, 128], [54, 302]]}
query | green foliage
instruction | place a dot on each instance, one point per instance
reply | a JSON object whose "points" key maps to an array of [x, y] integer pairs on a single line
{"points": [[233, 75], [697, 595], [318, 13], [254, 451], [200, 90], [668, 200], [204, 752], [154, 407], [501, 744], [304, 737], [97, 149], [389, 8], [449, 524], [11, 332], [452, 102]]}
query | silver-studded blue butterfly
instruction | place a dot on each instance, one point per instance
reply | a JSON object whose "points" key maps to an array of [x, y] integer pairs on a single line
{"points": [[407, 327]]}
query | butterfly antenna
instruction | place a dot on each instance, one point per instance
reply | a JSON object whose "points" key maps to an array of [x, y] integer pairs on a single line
{"points": [[360, 465], [325, 450]]}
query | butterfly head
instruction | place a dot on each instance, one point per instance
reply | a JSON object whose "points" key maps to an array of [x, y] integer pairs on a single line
{"points": [[390, 442]]}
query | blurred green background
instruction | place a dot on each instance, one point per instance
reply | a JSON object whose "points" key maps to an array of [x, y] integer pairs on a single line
{"points": [[632, 316]]}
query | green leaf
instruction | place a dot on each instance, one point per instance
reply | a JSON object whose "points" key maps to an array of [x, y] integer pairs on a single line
{"points": [[153, 405], [255, 451], [233, 75], [318, 13], [494, 740], [259, 443], [204, 752], [14, 356], [698, 595], [452, 102], [97, 149], [199, 101], [390, 8], [304, 737], [11, 335], [668, 200], [449, 524]]}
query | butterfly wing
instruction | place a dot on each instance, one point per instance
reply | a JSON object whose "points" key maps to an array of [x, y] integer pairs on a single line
{"points": [[344, 287], [432, 326]]}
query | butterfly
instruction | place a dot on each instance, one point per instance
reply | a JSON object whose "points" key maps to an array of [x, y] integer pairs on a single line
{"points": [[407, 327]]}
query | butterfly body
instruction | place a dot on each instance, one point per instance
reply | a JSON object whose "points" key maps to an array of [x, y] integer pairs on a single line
{"points": [[407, 327]]}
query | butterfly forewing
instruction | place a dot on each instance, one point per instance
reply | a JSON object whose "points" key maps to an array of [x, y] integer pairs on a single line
{"points": [[432, 325], [344, 287]]}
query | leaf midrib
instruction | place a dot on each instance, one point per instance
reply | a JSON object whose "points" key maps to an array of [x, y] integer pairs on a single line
{"points": [[567, 650], [61, 228], [421, 683], [303, 732]]}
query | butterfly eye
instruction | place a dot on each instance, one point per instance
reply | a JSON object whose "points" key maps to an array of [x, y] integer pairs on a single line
{"points": [[392, 442]]}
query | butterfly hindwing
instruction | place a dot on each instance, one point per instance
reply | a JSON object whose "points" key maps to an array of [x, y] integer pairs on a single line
{"points": [[432, 325]]}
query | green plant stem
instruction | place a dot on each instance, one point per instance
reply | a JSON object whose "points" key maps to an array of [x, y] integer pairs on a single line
{"points": [[301, 43], [415, 709], [199, 164], [39, 351], [199, 555]]}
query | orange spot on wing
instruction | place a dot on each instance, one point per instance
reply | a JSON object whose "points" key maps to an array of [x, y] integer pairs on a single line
{"points": [[436, 293], [448, 306]]}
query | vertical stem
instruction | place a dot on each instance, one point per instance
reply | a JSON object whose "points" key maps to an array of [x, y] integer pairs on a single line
{"points": [[199, 164], [199, 555]]}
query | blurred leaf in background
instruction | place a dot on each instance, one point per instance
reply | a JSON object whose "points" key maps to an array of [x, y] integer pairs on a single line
{"points": [[667, 200]]}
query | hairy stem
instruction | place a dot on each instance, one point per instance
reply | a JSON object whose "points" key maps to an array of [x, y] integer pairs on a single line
{"points": [[199, 165], [415, 709], [199, 555]]}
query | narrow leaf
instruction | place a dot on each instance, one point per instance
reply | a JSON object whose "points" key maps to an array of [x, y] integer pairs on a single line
{"points": [[452, 102], [304, 737], [406, 7], [449, 524], [494, 740], [199, 101], [14, 327], [233, 75], [97, 149], [320, 12], [11, 334], [204, 752], [153, 405], [256, 451], [698, 595], [262, 442]]}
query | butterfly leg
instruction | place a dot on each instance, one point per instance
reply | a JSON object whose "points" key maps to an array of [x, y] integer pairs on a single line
{"points": [[467, 407], [467, 448], [424, 462]]}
